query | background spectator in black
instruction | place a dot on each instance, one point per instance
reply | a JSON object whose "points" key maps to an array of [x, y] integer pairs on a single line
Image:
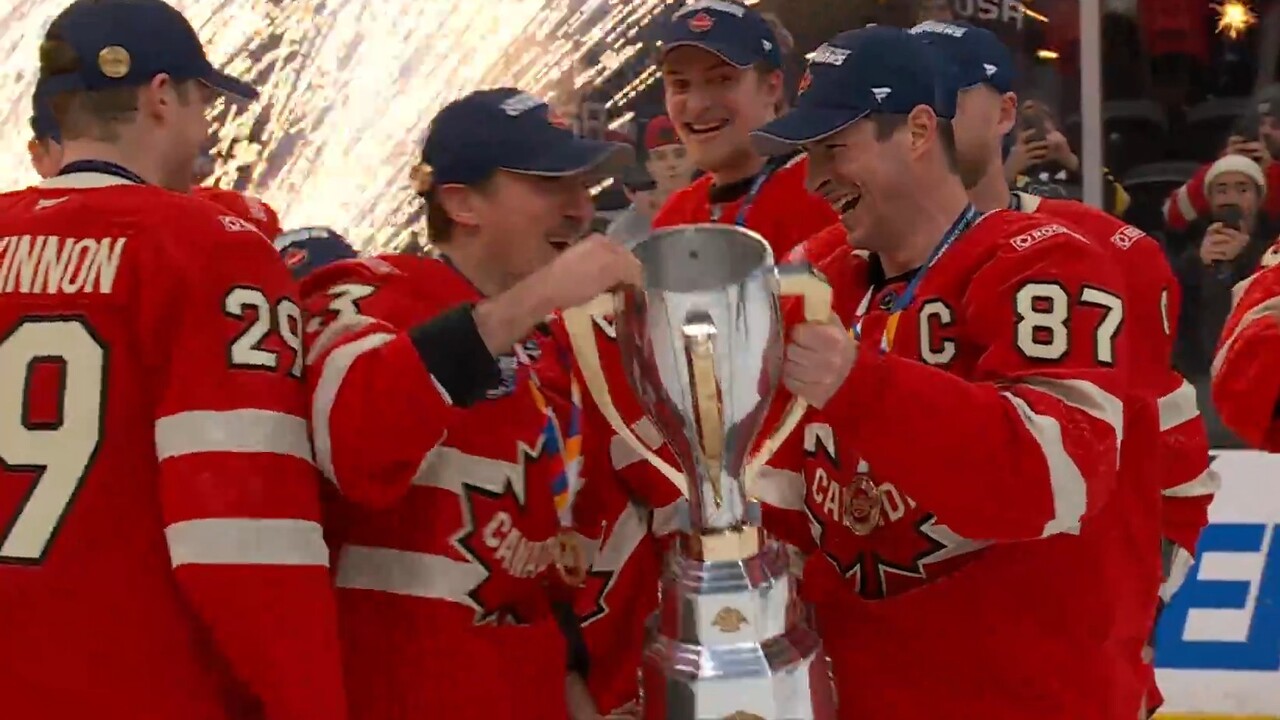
{"points": [[1041, 161], [1227, 251]]}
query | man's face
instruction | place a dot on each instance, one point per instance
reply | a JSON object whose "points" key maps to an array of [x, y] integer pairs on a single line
{"points": [[46, 157], [181, 111], [715, 106], [670, 167], [1233, 188], [862, 177], [983, 117], [527, 219]]}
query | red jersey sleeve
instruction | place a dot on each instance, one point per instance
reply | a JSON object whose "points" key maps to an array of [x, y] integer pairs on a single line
{"points": [[1188, 203], [1246, 372], [1027, 445], [384, 391], [238, 491]]}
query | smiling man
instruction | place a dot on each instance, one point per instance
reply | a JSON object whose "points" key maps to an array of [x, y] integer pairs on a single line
{"points": [[958, 476], [721, 67]]}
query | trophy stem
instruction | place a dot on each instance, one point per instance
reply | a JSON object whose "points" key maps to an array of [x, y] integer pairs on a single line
{"points": [[700, 355]]}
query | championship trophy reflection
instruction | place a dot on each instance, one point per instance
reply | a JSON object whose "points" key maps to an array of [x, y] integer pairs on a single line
{"points": [[702, 344]]}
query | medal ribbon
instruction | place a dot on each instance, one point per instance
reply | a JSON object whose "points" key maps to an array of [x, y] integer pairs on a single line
{"points": [[770, 167], [566, 442], [963, 222]]}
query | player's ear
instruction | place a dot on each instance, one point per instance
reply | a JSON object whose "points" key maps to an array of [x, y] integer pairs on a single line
{"points": [[460, 202], [922, 127], [1008, 113]]}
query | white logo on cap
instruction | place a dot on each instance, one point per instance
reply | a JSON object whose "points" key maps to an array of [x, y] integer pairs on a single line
{"points": [[520, 104], [828, 55], [941, 28], [881, 93], [991, 69], [766, 44], [727, 7]]}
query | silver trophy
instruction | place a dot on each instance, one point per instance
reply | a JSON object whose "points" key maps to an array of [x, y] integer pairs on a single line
{"points": [[702, 343]]}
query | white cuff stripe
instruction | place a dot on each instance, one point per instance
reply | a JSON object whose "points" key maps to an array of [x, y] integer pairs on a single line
{"points": [[1207, 483], [1179, 568], [232, 431], [1178, 407], [1269, 307], [414, 574], [246, 541], [332, 372], [780, 488]]}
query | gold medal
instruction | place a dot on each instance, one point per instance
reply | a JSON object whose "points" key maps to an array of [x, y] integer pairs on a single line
{"points": [[571, 560], [861, 504]]}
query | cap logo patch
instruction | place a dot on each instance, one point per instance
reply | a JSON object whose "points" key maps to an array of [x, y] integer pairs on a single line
{"points": [[828, 55], [805, 81], [701, 22], [520, 103], [881, 93], [719, 5], [114, 62], [940, 28], [293, 257], [991, 69]]}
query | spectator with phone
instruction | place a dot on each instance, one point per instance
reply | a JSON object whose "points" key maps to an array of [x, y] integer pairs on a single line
{"points": [[1041, 161], [1256, 135], [1228, 251]]}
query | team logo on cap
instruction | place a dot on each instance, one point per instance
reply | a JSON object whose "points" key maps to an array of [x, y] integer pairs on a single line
{"points": [[293, 257], [421, 178], [701, 22], [114, 62]]}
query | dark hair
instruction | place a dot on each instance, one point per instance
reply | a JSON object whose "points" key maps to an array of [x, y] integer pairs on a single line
{"points": [[95, 114], [440, 225], [888, 123]]}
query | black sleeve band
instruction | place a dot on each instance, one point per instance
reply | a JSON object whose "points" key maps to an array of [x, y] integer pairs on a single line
{"points": [[453, 352], [577, 659]]}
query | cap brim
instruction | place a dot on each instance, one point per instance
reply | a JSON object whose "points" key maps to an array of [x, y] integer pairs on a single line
{"points": [[576, 156], [735, 56], [228, 85], [802, 126]]}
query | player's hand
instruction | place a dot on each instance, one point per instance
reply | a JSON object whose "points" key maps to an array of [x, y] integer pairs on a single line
{"points": [[1254, 149], [1222, 244], [592, 266], [1059, 150], [1025, 153], [578, 699], [818, 360]]}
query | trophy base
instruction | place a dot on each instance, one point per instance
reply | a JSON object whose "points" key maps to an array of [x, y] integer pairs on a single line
{"points": [[783, 678]]}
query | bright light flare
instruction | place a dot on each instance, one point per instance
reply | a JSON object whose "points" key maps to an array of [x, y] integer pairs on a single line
{"points": [[348, 87], [1234, 17]]}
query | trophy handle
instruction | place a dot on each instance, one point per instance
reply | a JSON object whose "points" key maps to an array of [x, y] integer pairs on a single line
{"points": [[580, 325], [803, 282]]}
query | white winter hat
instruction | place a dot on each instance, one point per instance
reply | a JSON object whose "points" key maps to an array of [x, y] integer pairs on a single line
{"points": [[1237, 164]]}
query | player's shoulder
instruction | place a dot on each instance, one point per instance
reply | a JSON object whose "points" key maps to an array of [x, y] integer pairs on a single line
{"points": [[1008, 233], [384, 272], [1101, 225], [683, 205]]}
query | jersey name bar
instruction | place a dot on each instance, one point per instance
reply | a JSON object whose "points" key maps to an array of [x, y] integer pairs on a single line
{"points": [[48, 264]]}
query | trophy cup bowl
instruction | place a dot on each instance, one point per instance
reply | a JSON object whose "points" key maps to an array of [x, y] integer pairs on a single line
{"points": [[702, 344]]}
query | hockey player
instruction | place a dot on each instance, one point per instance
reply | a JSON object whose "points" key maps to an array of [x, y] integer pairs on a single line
{"points": [[259, 214], [160, 550], [430, 418], [722, 77], [1245, 388], [959, 471], [986, 109]]}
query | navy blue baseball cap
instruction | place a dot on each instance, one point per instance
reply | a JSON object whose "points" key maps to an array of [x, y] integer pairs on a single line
{"points": [[43, 124], [305, 250], [974, 56], [506, 129], [124, 43], [738, 34], [873, 70]]}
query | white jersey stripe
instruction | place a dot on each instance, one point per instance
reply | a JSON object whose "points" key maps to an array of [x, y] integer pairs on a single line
{"points": [[1269, 307], [1067, 482], [780, 488], [402, 572], [1178, 407], [246, 541], [1206, 483], [232, 431], [332, 372]]}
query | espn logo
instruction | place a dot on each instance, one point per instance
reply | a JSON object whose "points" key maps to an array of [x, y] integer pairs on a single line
{"points": [[1026, 240]]}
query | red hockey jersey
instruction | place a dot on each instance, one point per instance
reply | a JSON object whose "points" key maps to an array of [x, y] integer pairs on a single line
{"points": [[1246, 369], [991, 583], [160, 548], [1182, 464], [446, 544], [784, 211]]}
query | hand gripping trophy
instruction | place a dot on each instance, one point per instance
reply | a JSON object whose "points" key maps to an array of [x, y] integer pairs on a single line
{"points": [[702, 343]]}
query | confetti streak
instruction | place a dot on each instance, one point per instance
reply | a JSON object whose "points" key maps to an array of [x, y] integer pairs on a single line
{"points": [[348, 87]]}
